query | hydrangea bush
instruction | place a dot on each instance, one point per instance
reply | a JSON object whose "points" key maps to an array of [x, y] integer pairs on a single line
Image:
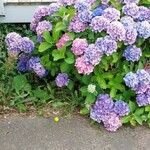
{"points": [[99, 49]]}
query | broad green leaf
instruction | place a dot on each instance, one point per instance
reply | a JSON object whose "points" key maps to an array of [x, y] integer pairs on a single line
{"points": [[70, 85], [64, 67], [138, 119], [90, 99], [101, 82], [139, 111], [44, 46], [125, 119], [132, 106], [58, 54], [113, 92], [84, 90], [84, 111], [41, 94], [47, 37], [58, 104], [70, 58]]}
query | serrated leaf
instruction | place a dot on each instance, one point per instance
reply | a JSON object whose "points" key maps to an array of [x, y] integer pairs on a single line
{"points": [[132, 106], [90, 99], [139, 111], [126, 119], [101, 82], [47, 37], [58, 54], [138, 119], [44, 46]]}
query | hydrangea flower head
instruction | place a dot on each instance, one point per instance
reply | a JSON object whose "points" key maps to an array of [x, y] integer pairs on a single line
{"points": [[127, 21], [121, 108], [79, 46], [92, 55], [62, 80], [83, 67], [107, 45], [143, 29], [131, 1], [81, 5], [43, 26], [27, 44], [105, 1], [99, 23], [91, 88], [116, 31], [144, 14], [131, 9], [99, 10], [132, 53], [111, 14], [63, 40], [85, 16], [67, 2]]}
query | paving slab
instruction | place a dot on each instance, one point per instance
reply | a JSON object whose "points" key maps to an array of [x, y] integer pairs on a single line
{"points": [[74, 133]]}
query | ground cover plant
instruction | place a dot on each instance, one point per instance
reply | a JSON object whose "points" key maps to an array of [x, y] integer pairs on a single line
{"points": [[96, 51]]}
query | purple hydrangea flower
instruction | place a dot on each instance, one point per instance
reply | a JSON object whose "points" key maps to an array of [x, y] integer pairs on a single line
{"points": [[143, 29], [40, 38], [99, 10], [107, 45], [62, 80], [127, 21], [130, 1], [143, 99], [132, 53], [85, 16], [22, 65], [77, 26], [131, 9], [111, 14], [105, 1], [82, 6], [144, 14], [27, 44], [121, 108], [116, 31], [14, 43], [43, 26], [130, 36], [131, 80], [92, 55], [99, 23], [35, 65], [53, 7], [112, 122], [67, 2]]}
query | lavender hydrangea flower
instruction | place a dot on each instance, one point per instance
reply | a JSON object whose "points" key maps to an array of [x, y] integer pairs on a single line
{"points": [[143, 99], [105, 1], [143, 29], [22, 65], [77, 26], [107, 45], [14, 43], [35, 65], [85, 16], [99, 10], [111, 14], [81, 6], [127, 21], [27, 44], [99, 23], [53, 7], [67, 2], [131, 1], [121, 108], [130, 36], [112, 123], [62, 80], [144, 14], [116, 31], [131, 9], [131, 80], [132, 53], [92, 55], [43, 26]]}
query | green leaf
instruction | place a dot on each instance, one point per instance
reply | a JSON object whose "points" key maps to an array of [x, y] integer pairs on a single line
{"points": [[148, 122], [84, 90], [58, 54], [84, 111], [90, 99], [139, 111], [70, 85], [41, 94], [70, 58], [64, 67], [44, 46], [19, 82], [58, 104], [113, 92], [125, 119], [101, 82], [47, 37], [132, 106], [138, 119]]}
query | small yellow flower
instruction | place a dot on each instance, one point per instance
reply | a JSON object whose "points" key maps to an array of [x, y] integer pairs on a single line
{"points": [[56, 119]]}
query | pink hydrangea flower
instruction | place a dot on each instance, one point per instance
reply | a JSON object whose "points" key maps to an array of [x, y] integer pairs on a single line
{"points": [[79, 46], [63, 40], [82, 67]]}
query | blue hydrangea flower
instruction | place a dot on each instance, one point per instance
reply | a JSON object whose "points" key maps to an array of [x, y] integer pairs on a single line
{"points": [[35, 65], [85, 16], [67, 2], [27, 44], [130, 36], [121, 108], [144, 14], [143, 29], [92, 55], [130, 1], [62, 80], [116, 31], [99, 10], [81, 6], [131, 80], [99, 23], [132, 53], [22, 65], [111, 14], [131, 9], [127, 21], [107, 45]]}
